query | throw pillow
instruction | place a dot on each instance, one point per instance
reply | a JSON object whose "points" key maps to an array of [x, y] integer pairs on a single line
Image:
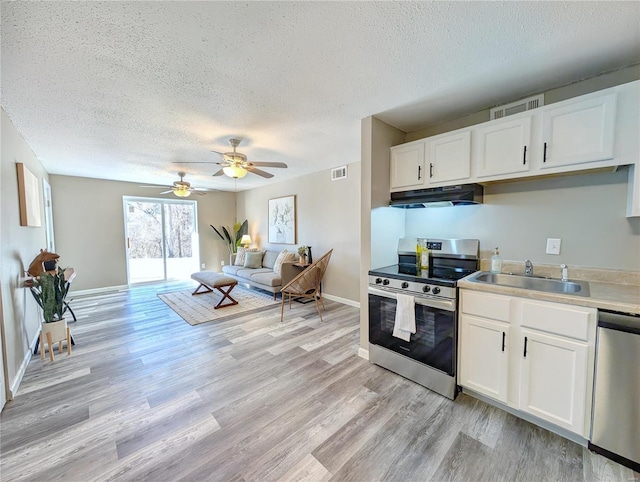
{"points": [[240, 257], [282, 257], [253, 259]]}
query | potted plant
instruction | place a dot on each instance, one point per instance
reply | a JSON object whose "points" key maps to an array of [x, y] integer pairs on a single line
{"points": [[50, 290], [232, 237], [302, 251]]}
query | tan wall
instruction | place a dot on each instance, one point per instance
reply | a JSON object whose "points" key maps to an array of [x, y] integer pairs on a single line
{"points": [[89, 227], [327, 217], [380, 227], [18, 246], [586, 211]]}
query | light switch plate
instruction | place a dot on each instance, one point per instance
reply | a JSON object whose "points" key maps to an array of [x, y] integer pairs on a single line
{"points": [[553, 245], [203, 265]]}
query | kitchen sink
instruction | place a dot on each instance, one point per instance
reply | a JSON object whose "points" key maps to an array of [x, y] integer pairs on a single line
{"points": [[536, 283]]}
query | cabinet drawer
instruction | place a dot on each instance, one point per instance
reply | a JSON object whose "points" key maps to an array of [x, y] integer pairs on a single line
{"points": [[561, 320], [486, 305]]}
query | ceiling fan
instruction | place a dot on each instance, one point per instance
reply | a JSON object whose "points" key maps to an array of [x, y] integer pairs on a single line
{"points": [[181, 188], [236, 165]]}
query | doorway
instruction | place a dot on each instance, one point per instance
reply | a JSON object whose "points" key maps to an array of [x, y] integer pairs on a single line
{"points": [[48, 216], [161, 239]]}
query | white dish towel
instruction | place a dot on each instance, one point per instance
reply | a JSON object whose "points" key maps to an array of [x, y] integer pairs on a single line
{"points": [[405, 322]]}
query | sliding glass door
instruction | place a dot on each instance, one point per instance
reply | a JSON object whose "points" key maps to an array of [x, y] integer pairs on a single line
{"points": [[161, 239]]}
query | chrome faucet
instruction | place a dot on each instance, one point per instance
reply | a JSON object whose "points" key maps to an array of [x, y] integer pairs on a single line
{"points": [[528, 267], [565, 272]]}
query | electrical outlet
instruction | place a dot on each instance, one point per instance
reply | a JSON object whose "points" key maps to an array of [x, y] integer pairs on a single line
{"points": [[222, 263], [553, 245], [203, 265]]}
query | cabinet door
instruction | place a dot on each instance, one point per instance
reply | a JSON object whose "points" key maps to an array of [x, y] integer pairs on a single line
{"points": [[407, 167], [449, 157], [579, 132], [484, 356], [504, 147], [553, 381]]}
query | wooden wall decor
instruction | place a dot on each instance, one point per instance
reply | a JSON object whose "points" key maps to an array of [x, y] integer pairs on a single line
{"points": [[29, 197]]}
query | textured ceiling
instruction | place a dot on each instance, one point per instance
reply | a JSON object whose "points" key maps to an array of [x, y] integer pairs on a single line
{"points": [[119, 90]]}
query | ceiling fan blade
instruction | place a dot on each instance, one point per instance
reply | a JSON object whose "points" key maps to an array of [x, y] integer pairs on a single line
{"points": [[218, 173], [201, 193], [259, 172], [221, 153], [203, 189], [268, 164], [192, 162], [156, 187], [166, 192]]}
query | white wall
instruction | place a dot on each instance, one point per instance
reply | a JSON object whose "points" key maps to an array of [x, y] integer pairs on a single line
{"points": [[586, 211], [328, 217], [18, 246], [89, 227]]}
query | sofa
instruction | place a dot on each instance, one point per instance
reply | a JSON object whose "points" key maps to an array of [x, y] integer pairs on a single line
{"points": [[261, 274]]}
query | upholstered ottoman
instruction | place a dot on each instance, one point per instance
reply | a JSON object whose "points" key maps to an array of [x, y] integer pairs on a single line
{"points": [[210, 280]]}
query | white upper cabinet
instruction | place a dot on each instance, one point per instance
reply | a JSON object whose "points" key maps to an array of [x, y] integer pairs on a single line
{"points": [[593, 131], [407, 166], [579, 132], [449, 157], [503, 147]]}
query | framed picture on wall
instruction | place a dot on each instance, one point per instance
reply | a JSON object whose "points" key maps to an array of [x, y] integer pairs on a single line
{"points": [[28, 197], [282, 220]]}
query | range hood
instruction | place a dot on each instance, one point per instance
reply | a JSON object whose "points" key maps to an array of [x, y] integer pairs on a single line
{"points": [[457, 195]]}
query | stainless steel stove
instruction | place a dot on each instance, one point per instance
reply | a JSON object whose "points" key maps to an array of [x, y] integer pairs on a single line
{"points": [[429, 357]]}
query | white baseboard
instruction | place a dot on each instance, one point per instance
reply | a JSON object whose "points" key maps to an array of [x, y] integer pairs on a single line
{"points": [[98, 290], [15, 384], [362, 353], [344, 301]]}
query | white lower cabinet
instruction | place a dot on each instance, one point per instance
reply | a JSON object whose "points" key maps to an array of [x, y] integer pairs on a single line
{"points": [[553, 379], [538, 360], [484, 365]]}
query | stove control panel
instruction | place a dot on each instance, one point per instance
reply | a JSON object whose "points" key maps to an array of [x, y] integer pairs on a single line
{"points": [[412, 287]]}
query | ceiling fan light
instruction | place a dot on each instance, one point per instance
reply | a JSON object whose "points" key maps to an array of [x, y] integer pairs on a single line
{"points": [[182, 192], [234, 171]]}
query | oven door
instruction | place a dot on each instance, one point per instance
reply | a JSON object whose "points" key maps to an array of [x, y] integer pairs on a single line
{"points": [[433, 344]]}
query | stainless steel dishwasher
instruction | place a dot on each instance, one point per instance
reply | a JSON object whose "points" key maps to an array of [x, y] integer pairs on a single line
{"points": [[615, 431]]}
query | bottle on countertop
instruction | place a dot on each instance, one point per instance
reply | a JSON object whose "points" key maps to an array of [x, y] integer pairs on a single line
{"points": [[422, 252], [496, 262]]}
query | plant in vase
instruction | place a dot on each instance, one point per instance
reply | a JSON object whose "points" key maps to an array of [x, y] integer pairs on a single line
{"points": [[50, 290], [232, 237], [302, 251]]}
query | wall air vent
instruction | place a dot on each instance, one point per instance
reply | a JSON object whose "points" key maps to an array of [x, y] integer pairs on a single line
{"points": [[339, 173], [516, 107]]}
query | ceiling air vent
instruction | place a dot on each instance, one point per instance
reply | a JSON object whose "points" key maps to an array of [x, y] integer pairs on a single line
{"points": [[516, 107], [338, 173]]}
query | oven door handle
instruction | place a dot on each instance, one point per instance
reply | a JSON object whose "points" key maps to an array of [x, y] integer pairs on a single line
{"points": [[447, 305]]}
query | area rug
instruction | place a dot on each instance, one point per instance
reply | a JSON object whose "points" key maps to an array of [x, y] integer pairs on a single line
{"points": [[197, 309]]}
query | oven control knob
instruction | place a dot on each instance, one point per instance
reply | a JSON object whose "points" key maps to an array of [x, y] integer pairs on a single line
{"points": [[436, 290], [385, 282], [426, 289], [405, 284], [378, 281]]}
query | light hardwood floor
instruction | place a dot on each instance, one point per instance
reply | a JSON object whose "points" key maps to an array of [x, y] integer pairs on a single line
{"points": [[145, 396]]}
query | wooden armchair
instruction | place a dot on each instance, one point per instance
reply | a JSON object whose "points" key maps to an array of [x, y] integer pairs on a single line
{"points": [[307, 284]]}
